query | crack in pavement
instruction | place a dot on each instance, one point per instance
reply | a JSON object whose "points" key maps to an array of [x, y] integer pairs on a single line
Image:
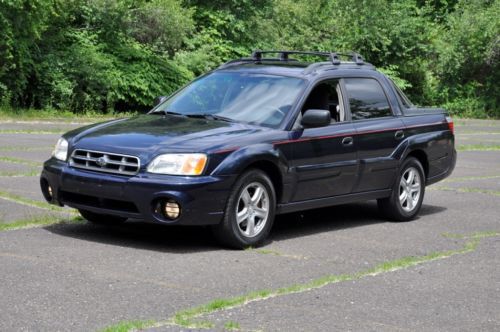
{"points": [[189, 318], [33, 203], [121, 276], [467, 190]]}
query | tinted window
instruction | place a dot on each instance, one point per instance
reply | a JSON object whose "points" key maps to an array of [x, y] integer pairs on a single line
{"points": [[326, 96], [367, 99], [403, 100]]}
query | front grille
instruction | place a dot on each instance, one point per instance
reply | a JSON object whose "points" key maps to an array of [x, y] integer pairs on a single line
{"points": [[105, 162]]}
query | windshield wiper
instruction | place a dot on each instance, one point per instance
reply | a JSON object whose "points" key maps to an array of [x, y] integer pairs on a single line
{"points": [[210, 116], [164, 112], [173, 113]]}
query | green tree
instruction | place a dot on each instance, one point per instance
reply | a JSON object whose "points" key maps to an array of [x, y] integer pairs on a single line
{"points": [[466, 74], [22, 23], [120, 54]]}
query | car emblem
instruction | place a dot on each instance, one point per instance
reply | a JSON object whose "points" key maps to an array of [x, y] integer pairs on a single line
{"points": [[101, 161]]}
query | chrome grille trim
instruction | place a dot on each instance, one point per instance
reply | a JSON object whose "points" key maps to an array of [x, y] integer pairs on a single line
{"points": [[105, 162]]}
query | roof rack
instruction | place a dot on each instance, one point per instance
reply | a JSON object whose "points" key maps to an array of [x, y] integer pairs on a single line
{"points": [[334, 57], [283, 55]]}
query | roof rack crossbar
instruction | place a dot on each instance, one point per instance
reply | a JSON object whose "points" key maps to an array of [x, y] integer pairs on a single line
{"points": [[283, 55], [334, 57], [357, 58]]}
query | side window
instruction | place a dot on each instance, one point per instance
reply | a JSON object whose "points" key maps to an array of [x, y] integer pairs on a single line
{"points": [[367, 99], [404, 102], [326, 96]]}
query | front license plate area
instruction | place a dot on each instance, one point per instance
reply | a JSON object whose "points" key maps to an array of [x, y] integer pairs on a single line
{"points": [[93, 186]]}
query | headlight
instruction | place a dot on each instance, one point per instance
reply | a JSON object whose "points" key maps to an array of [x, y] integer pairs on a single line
{"points": [[179, 164], [61, 150]]}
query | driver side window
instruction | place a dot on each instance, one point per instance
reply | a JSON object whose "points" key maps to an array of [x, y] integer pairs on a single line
{"points": [[326, 96]]}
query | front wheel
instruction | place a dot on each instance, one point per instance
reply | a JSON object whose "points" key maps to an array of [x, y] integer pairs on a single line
{"points": [[249, 212], [407, 193]]}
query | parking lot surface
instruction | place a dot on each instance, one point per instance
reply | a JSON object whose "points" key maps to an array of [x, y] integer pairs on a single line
{"points": [[339, 268]]}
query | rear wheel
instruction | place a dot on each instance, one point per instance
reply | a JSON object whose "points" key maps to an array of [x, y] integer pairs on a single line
{"points": [[407, 193], [102, 219], [249, 212]]}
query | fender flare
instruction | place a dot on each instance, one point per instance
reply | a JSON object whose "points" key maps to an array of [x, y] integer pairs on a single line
{"points": [[419, 142], [238, 160]]}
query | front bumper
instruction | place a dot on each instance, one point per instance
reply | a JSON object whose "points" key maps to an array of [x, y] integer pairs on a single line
{"points": [[202, 199]]}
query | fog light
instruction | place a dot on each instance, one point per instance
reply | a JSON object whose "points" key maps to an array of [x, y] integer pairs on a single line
{"points": [[171, 209]]}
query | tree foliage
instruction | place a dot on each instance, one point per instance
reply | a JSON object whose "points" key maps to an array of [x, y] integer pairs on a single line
{"points": [[120, 54]]}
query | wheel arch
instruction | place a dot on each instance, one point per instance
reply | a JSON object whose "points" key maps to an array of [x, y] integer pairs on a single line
{"points": [[273, 171], [263, 157], [421, 156]]}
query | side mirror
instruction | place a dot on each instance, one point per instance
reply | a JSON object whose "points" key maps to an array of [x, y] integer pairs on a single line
{"points": [[316, 118], [159, 100]]}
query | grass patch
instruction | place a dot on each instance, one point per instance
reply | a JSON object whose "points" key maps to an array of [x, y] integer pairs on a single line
{"points": [[471, 178], [478, 140], [467, 190], [34, 172], [34, 131], [130, 326], [23, 148], [37, 222], [31, 202], [482, 122], [11, 114], [274, 253], [232, 326], [478, 147], [477, 235], [473, 132], [267, 252], [188, 318], [20, 161]]}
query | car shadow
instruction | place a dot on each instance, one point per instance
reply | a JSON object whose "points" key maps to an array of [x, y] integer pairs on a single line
{"points": [[141, 235], [428, 210], [185, 239], [335, 218]]}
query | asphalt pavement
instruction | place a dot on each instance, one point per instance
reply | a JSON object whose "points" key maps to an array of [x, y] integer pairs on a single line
{"points": [[339, 268]]}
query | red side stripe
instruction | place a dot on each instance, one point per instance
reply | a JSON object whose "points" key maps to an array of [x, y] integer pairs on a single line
{"points": [[355, 133], [338, 135]]}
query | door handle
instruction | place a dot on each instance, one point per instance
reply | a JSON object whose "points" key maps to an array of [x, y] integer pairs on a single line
{"points": [[346, 141], [399, 134]]}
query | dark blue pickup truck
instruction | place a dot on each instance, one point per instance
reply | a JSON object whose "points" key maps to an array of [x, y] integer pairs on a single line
{"points": [[257, 137]]}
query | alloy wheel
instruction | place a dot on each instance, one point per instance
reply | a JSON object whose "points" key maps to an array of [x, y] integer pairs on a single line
{"points": [[252, 210], [410, 188]]}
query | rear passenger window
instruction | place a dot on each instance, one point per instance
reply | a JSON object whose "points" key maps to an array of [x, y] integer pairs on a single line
{"points": [[367, 99]]}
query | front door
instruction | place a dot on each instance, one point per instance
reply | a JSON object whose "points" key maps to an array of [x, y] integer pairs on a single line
{"points": [[325, 162], [325, 159]]}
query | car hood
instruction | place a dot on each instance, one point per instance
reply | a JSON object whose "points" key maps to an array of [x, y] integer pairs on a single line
{"points": [[151, 134]]}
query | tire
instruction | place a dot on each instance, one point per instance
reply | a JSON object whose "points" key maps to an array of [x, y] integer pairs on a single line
{"points": [[237, 232], [101, 219], [407, 193]]}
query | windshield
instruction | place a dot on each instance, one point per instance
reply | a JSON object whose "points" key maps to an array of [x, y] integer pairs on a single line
{"points": [[251, 98]]}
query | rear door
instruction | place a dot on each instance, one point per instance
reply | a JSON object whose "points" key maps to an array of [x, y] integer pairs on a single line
{"points": [[378, 133]]}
